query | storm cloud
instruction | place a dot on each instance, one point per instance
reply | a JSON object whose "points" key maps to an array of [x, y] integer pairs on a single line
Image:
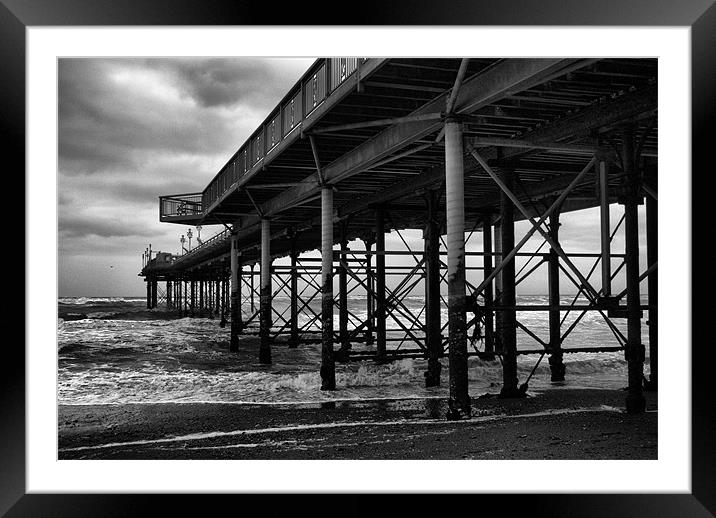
{"points": [[132, 129]]}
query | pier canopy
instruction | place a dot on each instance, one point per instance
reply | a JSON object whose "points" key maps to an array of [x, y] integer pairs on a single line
{"points": [[373, 129]]}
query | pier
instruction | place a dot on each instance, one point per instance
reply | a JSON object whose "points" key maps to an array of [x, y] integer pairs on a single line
{"points": [[454, 148]]}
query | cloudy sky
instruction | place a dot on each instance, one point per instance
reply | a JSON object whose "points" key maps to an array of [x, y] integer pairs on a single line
{"points": [[133, 129]]}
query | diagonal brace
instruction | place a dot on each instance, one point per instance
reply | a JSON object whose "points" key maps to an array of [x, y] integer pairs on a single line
{"points": [[535, 225]]}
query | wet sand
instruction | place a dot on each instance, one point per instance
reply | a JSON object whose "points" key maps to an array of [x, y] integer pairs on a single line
{"points": [[560, 423]]}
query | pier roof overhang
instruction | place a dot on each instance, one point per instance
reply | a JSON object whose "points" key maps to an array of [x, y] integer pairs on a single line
{"points": [[372, 129]]}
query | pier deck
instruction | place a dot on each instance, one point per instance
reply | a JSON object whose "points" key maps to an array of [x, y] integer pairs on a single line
{"points": [[360, 147]]}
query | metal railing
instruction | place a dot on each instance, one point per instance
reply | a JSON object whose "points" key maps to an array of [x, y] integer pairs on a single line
{"points": [[176, 205], [316, 86], [205, 245]]}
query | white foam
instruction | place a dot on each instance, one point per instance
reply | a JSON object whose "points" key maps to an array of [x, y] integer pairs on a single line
{"points": [[346, 424]]}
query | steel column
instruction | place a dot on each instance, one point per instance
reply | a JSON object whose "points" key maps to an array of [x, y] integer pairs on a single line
{"points": [[508, 329], [193, 296], [265, 296], [433, 326], [149, 293], [201, 296], [459, 399], [634, 349], [380, 309], [369, 299], [499, 254], [488, 293], [169, 294], [652, 256], [328, 366], [293, 340], [605, 230], [343, 295], [235, 295], [556, 363]]}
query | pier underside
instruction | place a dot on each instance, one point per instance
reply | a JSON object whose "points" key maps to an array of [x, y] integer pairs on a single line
{"points": [[453, 148]]}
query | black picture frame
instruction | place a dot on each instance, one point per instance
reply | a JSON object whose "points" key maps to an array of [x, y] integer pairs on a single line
{"points": [[17, 15]]}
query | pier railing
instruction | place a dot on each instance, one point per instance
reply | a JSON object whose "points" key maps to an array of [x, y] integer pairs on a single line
{"points": [[216, 239], [180, 206], [314, 87]]}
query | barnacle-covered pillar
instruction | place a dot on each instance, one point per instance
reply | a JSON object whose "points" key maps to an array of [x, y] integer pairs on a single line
{"points": [[459, 399], [328, 364]]}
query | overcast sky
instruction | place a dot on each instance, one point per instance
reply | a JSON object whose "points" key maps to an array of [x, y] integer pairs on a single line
{"points": [[131, 130]]}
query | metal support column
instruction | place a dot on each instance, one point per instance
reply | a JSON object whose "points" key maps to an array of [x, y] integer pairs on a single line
{"points": [[369, 299], [652, 256], [201, 297], [343, 297], [634, 350], [605, 230], [193, 296], [433, 325], [508, 325], [210, 297], [265, 296], [380, 309], [253, 289], [488, 293], [293, 340], [235, 295], [459, 399], [556, 363], [328, 365], [149, 293], [169, 294], [498, 286]]}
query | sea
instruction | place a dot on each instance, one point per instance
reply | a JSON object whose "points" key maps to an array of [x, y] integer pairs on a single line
{"points": [[113, 350]]}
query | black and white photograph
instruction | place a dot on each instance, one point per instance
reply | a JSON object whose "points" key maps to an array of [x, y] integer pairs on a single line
{"points": [[413, 252], [357, 258]]}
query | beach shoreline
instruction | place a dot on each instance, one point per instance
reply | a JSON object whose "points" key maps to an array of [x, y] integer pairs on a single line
{"points": [[558, 423]]}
